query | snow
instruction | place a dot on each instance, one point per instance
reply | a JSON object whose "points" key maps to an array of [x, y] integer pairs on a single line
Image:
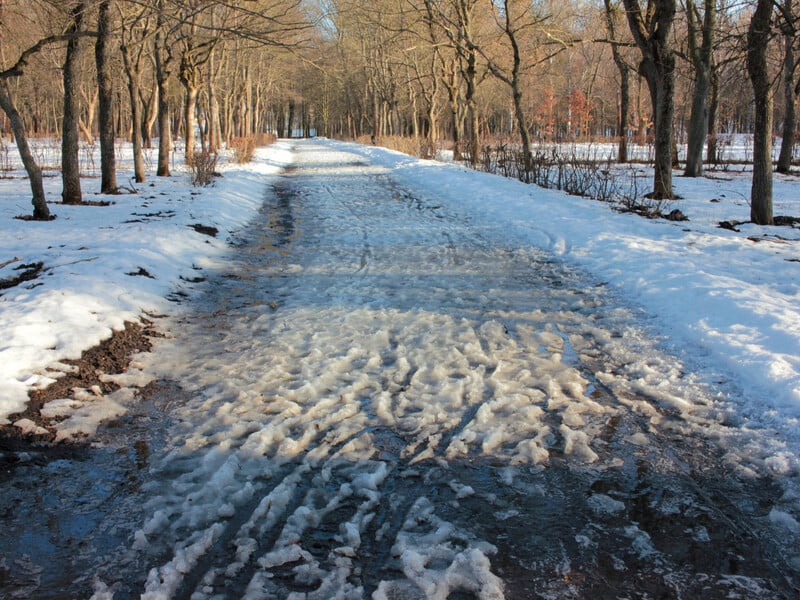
{"points": [[88, 252], [358, 380]]}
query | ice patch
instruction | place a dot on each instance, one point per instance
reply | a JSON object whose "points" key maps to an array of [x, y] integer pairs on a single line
{"points": [[603, 504]]}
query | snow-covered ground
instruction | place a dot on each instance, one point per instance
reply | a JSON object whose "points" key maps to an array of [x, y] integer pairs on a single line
{"points": [[398, 313], [104, 265], [729, 299]]}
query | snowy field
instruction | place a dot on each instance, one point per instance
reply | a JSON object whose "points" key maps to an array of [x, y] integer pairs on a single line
{"points": [[701, 340]]}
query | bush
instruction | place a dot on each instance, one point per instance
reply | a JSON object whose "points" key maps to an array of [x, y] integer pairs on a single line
{"points": [[243, 149], [265, 139], [204, 166], [406, 144]]}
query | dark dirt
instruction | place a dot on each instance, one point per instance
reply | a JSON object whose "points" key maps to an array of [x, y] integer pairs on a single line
{"points": [[778, 221], [27, 273], [205, 229], [111, 356]]}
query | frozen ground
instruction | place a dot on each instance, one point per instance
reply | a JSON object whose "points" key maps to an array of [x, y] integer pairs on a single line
{"points": [[407, 380]]}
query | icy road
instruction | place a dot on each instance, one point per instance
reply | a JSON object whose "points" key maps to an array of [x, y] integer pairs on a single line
{"points": [[385, 398]]}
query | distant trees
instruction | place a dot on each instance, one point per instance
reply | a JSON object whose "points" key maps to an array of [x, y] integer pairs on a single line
{"points": [[452, 73]]}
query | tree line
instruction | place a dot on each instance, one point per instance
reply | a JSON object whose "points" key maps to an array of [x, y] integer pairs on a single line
{"points": [[455, 72]]}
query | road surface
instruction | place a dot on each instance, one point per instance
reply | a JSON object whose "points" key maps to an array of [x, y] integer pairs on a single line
{"points": [[383, 397]]}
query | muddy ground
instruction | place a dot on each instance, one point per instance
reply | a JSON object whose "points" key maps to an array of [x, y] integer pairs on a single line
{"points": [[110, 357]]}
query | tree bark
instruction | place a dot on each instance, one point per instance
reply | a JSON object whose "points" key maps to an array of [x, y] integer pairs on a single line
{"points": [[789, 94], [652, 36], [713, 106], [758, 35], [70, 165], [214, 129], [40, 209], [105, 84], [133, 73], [189, 120], [150, 116], [162, 78], [701, 60], [624, 86]]}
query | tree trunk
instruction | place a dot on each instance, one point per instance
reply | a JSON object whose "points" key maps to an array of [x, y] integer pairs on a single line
{"points": [[70, 165], [40, 210], [150, 116], [701, 60], [658, 67], [713, 105], [214, 130], [698, 126], [662, 89], [86, 126], [624, 86], [105, 84], [164, 131], [757, 45], [133, 72], [472, 107], [162, 78], [789, 96], [290, 120], [189, 120], [136, 128]]}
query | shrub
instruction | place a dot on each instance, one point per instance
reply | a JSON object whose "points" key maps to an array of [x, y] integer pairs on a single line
{"points": [[243, 149], [265, 139], [204, 168]]}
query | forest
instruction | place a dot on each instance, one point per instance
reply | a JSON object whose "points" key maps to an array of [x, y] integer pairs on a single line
{"points": [[672, 79]]}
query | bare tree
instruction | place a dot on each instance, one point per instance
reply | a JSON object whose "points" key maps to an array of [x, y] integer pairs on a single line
{"points": [[133, 45], [9, 106], [456, 18], [518, 20], [791, 86], [624, 83], [510, 27], [105, 85], [758, 38], [40, 209], [700, 55], [651, 31], [70, 165], [163, 59]]}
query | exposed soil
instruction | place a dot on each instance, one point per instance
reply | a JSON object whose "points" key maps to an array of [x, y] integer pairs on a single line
{"points": [[205, 229], [27, 273], [109, 357]]}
